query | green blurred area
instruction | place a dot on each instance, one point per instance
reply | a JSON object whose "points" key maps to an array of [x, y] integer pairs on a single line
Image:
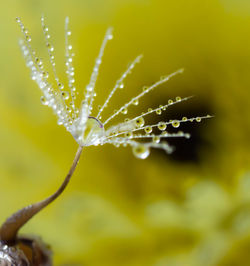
{"points": [[119, 210]]}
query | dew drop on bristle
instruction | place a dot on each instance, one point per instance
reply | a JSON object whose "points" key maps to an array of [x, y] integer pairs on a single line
{"points": [[158, 111], [65, 95], [43, 100], [60, 86], [141, 151], [139, 122], [135, 102], [124, 111], [129, 134], [164, 133], [175, 123], [121, 85], [162, 126], [148, 129], [28, 38], [156, 139], [198, 119]]}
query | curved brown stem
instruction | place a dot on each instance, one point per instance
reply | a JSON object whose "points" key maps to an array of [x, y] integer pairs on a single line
{"points": [[10, 228]]}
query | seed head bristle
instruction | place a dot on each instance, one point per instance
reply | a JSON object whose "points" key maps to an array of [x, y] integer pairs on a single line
{"points": [[119, 83], [173, 123], [70, 70], [164, 134], [161, 108], [145, 91], [63, 94], [90, 88]]}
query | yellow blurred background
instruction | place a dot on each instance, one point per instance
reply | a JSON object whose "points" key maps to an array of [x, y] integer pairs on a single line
{"points": [[191, 208]]}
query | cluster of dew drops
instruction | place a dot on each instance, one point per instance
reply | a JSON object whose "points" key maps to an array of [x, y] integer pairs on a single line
{"points": [[142, 151], [130, 132], [57, 97]]}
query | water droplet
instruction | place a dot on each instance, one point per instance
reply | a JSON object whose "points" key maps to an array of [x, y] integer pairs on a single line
{"points": [[139, 122], [110, 36], [43, 100], [121, 85], [45, 74], [170, 102], [175, 123], [162, 126], [59, 122], [124, 111], [28, 38], [150, 109], [38, 61], [180, 133], [184, 118], [198, 119], [158, 111], [68, 109], [89, 88], [65, 95], [135, 102], [60, 86], [129, 134], [148, 129], [164, 133], [141, 151], [145, 88], [156, 139], [178, 98]]}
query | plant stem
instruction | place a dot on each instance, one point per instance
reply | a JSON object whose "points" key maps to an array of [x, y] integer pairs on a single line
{"points": [[10, 228]]}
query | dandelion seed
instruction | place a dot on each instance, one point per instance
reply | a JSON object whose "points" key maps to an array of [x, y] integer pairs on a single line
{"points": [[86, 128]]}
